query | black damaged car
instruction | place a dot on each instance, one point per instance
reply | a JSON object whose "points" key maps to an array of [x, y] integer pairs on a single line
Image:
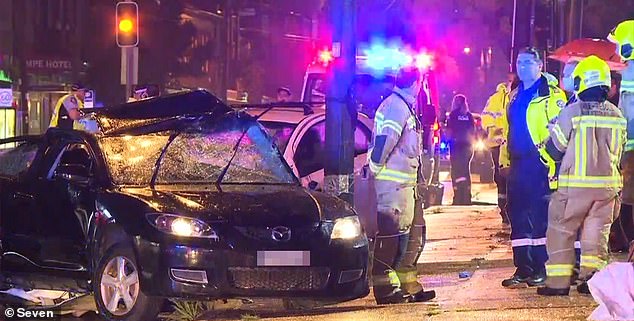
{"points": [[173, 197]]}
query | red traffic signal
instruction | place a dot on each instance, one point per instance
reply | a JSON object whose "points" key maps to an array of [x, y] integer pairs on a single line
{"points": [[127, 24]]}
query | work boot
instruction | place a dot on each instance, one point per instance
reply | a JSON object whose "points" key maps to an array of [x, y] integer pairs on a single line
{"points": [[515, 282], [583, 288], [397, 296], [536, 280], [544, 290], [422, 296]]}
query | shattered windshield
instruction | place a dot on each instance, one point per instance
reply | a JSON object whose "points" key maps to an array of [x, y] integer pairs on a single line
{"points": [[197, 156]]}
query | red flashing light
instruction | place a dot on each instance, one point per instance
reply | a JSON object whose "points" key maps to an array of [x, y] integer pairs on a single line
{"points": [[325, 57], [436, 126]]}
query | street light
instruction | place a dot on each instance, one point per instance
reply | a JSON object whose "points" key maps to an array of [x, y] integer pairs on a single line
{"points": [[127, 24]]}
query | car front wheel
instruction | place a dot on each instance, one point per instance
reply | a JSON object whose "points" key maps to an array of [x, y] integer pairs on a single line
{"points": [[117, 288]]}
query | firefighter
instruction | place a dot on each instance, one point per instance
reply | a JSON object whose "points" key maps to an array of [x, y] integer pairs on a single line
{"points": [[493, 120], [587, 139], [394, 161], [67, 113], [461, 130], [532, 173]]}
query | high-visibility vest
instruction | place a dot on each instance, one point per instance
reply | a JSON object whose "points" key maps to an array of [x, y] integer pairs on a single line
{"points": [[60, 117]]}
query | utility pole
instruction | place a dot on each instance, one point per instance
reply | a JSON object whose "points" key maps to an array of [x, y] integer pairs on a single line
{"points": [[341, 115]]}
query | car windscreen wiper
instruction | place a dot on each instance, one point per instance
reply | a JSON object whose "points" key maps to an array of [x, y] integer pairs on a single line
{"points": [[157, 165], [235, 149]]}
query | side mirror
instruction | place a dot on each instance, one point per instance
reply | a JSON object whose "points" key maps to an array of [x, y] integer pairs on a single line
{"points": [[74, 173]]}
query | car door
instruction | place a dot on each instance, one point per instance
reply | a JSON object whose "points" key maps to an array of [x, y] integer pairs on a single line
{"points": [[18, 208], [310, 152], [66, 208]]}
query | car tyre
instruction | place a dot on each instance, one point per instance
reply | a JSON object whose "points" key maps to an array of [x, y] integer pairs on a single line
{"points": [[117, 288]]}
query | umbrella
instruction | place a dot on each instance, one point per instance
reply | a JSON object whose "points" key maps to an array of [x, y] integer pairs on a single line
{"points": [[581, 48]]}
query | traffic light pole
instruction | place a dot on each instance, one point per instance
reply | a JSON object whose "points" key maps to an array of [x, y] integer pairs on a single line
{"points": [[341, 114], [129, 69]]}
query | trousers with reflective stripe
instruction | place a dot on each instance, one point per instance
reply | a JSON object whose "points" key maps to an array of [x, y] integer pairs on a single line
{"points": [[528, 196], [571, 209], [399, 242]]}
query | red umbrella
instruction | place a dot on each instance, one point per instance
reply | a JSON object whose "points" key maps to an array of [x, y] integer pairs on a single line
{"points": [[581, 48]]}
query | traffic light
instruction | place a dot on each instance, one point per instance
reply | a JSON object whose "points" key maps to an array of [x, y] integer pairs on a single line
{"points": [[127, 24]]}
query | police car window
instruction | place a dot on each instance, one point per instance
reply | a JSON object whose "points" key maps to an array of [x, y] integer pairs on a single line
{"points": [[311, 150], [280, 132], [15, 161]]}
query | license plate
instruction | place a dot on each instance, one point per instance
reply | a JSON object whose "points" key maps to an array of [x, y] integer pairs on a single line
{"points": [[283, 258]]}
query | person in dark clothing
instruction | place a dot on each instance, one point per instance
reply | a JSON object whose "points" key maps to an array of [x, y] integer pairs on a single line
{"points": [[461, 127]]}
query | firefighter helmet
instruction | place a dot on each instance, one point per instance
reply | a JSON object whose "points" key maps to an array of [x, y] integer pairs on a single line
{"points": [[623, 37], [591, 72]]}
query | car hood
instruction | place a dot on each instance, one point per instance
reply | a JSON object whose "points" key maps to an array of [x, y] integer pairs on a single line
{"points": [[245, 205]]}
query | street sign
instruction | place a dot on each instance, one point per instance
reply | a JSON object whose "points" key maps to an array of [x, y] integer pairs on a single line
{"points": [[89, 99], [6, 97]]}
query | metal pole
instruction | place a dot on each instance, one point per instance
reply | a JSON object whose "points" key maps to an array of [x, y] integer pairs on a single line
{"points": [[340, 113], [562, 22], [581, 6], [531, 35], [513, 36]]}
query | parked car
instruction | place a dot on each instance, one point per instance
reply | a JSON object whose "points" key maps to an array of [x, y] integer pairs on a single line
{"points": [[299, 130], [174, 197]]}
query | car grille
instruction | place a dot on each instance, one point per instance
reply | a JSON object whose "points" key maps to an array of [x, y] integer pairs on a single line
{"points": [[264, 234], [279, 278]]}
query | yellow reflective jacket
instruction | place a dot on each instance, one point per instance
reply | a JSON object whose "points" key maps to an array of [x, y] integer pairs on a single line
{"points": [[60, 117], [542, 110], [494, 117], [588, 138]]}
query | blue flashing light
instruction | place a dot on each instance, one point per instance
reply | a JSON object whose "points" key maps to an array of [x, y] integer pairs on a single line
{"points": [[443, 145]]}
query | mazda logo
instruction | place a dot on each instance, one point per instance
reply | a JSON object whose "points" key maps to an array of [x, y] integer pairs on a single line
{"points": [[281, 234]]}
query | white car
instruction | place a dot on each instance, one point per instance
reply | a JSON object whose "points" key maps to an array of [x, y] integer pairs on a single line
{"points": [[301, 137]]}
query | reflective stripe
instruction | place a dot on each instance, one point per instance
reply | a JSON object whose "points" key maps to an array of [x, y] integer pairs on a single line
{"points": [[577, 245], [554, 270], [591, 181], [407, 277], [502, 196], [528, 242], [393, 278], [392, 125], [627, 85], [584, 157], [629, 145], [577, 152], [592, 261], [375, 168], [396, 176], [561, 137], [600, 121], [461, 179]]}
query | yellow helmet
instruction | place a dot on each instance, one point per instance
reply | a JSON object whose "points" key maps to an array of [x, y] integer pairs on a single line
{"points": [[591, 72], [623, 37]]}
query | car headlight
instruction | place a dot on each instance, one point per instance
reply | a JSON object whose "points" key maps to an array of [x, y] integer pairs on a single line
{"points": [[346, 228], [181, 225], [479, 145]]}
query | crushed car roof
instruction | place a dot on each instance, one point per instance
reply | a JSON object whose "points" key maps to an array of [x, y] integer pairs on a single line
{"points": [[129, 116]]}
